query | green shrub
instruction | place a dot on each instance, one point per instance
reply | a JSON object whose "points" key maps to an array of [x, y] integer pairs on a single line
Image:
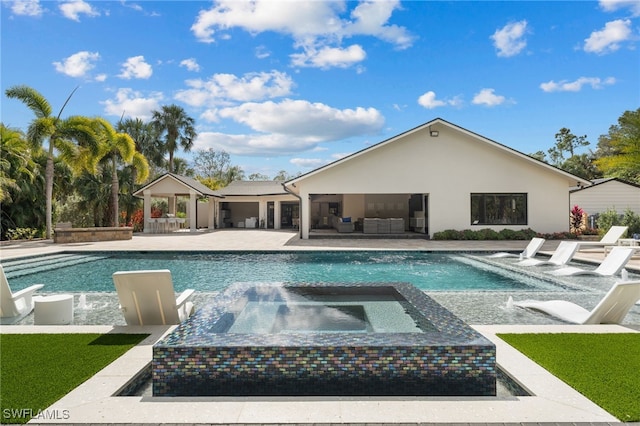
{"points": [[631, 220], [606, 220], [490, 234], [468, 234], [23, 234], [448, 234]]}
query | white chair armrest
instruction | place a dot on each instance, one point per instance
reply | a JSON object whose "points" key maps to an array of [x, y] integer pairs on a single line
{"points": [[184, 297], [26, 292]]}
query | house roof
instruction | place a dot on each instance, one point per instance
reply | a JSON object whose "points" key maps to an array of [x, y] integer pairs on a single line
{"points": [[440, 122], [597, 182], [185, 183], [253, 188]]}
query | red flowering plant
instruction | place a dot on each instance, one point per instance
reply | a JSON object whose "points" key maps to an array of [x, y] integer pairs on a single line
{"points": [[137, 220], [577, 220]]}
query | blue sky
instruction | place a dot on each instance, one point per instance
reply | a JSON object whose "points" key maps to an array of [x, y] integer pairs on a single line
{"points": [[293, 85]]}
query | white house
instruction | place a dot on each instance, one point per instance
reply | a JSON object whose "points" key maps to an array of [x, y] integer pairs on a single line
{"points": [[170, 186], [435, 177], [606, 194], [253, 204]]}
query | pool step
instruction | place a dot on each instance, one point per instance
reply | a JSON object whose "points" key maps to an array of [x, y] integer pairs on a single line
{"points": [[21, 267], [35, 260]]}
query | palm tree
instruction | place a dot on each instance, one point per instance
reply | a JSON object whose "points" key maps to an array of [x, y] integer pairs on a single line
{"points": [[16, 163], [116, 146], [177, 127], [58, 132]]}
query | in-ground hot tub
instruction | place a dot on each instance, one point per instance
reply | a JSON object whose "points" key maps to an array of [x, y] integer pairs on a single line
{"points": [[323, 339]]}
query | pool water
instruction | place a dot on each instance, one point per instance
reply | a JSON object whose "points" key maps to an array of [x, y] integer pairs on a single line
{"points": [[296, 309], [213, 272]]}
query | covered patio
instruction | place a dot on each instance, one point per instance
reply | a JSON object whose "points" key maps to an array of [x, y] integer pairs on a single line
{"points": [[170, 187]]}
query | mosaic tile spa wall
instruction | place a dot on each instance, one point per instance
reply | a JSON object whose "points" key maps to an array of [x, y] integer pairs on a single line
{"points": [[446, 358]]}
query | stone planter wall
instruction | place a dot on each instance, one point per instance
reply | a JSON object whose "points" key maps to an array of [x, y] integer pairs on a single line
{"points": [[83, 235]]}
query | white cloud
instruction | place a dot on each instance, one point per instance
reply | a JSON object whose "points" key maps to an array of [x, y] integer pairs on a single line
{"points": [[313, 121], [289, 126], [252, 144], [101, 77], [371, 17], [428, 100], [576, 86], [78, 64], [487, 97], [316, 27], [509, 40], [73, 9], [609, 38], [327, 57], [613, 5], [309, 163], [191, 64], [221, 89], [136, 67], [26, 7], [133, 104], [262, 52]]}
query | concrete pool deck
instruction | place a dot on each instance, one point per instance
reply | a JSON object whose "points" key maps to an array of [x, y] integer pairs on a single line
{"points": [[93, 401]]}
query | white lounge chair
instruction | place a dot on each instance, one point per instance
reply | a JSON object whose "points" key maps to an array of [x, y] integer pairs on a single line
{"points": [[612, 309], [611, 265], [15, 306], [609, 239], [561, 256], [530, 251], [148, 298]]}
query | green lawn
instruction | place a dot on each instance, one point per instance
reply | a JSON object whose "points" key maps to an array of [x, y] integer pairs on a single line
{"points": [[38, 369], [603, 367]]}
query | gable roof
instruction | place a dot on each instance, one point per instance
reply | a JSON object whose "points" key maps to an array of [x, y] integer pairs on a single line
{"points": [[597, 182], [255, 188], [441, 122], [185, 182]]}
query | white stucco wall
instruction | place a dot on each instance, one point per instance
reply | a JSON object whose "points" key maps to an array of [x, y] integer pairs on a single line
{"points": [[449, 168], [608, 195]]}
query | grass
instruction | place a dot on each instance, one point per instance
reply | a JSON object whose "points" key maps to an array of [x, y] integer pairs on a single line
{"points": [[603, 367], [38, 369]]}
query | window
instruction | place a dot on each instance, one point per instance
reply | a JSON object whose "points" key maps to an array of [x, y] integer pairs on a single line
{"points": [[498, 209]]}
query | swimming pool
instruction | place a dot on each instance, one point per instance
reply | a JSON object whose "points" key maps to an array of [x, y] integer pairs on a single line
{"points": [[214, 271]]}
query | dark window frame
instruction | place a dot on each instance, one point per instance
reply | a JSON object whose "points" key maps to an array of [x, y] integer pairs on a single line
{"points": [[499, 208]]}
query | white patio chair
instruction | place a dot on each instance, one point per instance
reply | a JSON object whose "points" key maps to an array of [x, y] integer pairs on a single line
{"points": [[611, 265], [15, 306], [148, 298], [612, 308], [561, 256], [609, 239], [530, 251]]}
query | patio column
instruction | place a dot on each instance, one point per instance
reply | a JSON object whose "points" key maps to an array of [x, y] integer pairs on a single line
{"points": [[192, 210], [305, 215], [211, 212], [262, 213], [171, 205], [146, 226], [277, 214]]}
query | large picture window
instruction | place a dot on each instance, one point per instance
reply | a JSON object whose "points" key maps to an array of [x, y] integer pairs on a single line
{"points": [[498, 209]]}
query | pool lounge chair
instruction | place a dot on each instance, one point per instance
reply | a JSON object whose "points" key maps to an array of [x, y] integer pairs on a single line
{"points": [[148, 298], [563, 254], [611, 309], [609, 239], [611, 265], [530, 251], [15, 306]]}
